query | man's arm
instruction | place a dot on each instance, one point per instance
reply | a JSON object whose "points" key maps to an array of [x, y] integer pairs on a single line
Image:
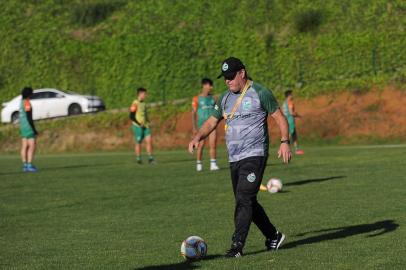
{"points": [[284, 149], [194, 120], [203, 132], [195, 104], [269, 103]]}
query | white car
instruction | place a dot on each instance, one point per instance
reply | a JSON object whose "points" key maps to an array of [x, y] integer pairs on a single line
{"points": [[49, 103]]}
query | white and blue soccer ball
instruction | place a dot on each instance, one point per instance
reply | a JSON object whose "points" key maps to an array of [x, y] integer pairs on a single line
{"points": [[193, 248], [274, 185]]}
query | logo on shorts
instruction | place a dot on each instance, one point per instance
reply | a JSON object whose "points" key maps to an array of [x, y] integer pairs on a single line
{"points": [[251, 177], [224, 67], [216, 107]]}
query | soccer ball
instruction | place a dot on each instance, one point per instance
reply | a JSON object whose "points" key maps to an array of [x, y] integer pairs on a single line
{"points": [[274, 185], [193, 248]]}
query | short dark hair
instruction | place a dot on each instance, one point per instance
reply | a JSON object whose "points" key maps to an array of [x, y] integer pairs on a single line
{"points": [[207, 81], [288, 93], [26, 92], [141, 89]]}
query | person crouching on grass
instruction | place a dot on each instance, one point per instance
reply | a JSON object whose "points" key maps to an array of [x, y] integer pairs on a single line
{"points": [[140, 125], [27, 131]]}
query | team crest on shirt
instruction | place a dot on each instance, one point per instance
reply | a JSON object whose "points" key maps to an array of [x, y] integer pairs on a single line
{"points": [[216, 107], [251, 177], [224, 67], [246, 105]]}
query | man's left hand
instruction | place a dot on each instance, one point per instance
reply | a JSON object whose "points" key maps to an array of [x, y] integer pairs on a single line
{"points": [[284, 152]]}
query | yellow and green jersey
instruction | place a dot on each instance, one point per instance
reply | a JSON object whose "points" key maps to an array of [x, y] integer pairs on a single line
{"points": [[140, 109]]}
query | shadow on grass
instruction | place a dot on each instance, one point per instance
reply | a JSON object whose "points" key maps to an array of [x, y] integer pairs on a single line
{"points": [[40, 169], [76, 166], [315, 180], [372, 229], [186, 265], [171, 161]]}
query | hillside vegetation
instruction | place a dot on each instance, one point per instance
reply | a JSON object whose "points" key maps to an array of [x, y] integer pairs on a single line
{"points": [[111, 47]]}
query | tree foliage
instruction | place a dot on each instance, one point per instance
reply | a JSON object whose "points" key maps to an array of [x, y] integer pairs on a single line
{"points": [[167, 46]]}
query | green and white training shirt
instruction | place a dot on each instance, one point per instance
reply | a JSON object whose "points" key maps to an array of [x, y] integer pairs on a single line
{"points": [[247, 132]]}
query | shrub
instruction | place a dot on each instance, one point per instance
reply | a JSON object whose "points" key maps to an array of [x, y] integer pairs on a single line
{"points": [[89, 14], [308, 21]]}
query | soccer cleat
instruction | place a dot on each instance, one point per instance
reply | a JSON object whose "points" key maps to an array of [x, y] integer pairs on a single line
{"points": [[299, 152], [235, 251], [214, 167], [275, 243], [152, 161], [30, 168], [199, 167]]}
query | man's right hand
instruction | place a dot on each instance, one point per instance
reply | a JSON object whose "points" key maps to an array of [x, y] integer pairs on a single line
{"points": [[194, 144]]}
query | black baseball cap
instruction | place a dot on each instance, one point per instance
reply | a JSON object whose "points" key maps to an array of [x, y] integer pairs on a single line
{"points": [[230, 67]]}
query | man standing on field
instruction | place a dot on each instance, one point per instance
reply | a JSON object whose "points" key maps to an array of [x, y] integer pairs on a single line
{"points": [[245, 107], [202, 106], [27, 131], [140, 125], [290, 112]]}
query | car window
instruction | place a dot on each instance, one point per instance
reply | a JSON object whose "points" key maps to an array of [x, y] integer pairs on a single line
{"points": [[38, 95], [45, 94], [51, 94]]}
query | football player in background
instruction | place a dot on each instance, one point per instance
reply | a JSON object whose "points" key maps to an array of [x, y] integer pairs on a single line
{"points": [[27, 131], [141, 126], [202, 106], [289, 111]]}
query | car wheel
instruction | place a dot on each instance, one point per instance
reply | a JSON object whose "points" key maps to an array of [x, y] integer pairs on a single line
{"points": [[15, 117], [74, 109]]}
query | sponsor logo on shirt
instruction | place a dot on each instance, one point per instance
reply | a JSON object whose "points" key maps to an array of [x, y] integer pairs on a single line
{"points": [[246, 105]]}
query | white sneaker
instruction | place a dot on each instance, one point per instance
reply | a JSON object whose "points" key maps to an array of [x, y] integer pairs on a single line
{"points": [[214, 167], [199, 167]]}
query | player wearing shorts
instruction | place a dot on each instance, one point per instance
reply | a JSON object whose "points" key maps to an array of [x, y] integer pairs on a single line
{"points": [[290, 113], [245, 106], [202, 106], [27, 131], [141, 126]]}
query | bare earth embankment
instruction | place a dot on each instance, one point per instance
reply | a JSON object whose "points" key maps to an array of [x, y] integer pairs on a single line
{"points": [[347, 117]]}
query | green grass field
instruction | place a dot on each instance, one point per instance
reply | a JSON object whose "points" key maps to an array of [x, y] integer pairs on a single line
{"points": [[341, 208]]}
